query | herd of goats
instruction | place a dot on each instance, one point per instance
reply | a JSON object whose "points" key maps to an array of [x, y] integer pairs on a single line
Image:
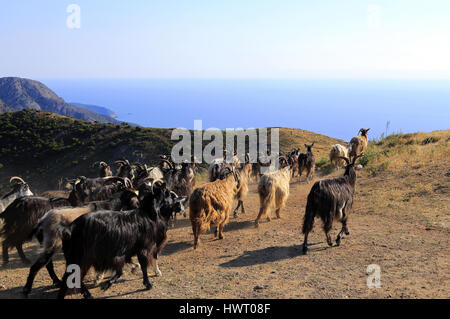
{"points": [[104, 222]]}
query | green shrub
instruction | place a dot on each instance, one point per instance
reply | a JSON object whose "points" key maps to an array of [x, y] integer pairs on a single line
{"points": [[370, 156]]}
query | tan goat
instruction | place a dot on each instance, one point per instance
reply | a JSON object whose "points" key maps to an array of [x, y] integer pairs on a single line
{"points": [[244, 177], [210, 205], [358, 144], [273, 190]]}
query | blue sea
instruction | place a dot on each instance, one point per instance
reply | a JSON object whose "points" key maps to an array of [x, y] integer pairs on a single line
{"points": [[337, 108]]}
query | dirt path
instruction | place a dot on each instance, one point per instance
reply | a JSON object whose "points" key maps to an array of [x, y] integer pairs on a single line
{"points": [[268, 263]]}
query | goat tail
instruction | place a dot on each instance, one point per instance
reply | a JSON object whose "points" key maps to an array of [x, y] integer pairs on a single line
{"points": [[38, 233], [308, 219], [267, 195]]}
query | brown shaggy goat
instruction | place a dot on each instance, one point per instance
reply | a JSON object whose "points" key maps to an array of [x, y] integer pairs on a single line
{"points": [[210, 205]]}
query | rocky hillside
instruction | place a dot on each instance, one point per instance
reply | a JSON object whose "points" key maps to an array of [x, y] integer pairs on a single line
{"points": [[18, 94]]}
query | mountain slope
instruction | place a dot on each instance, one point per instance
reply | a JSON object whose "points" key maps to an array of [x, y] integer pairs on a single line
{"points": [[19, 94], [44, 147], [97, 109]]}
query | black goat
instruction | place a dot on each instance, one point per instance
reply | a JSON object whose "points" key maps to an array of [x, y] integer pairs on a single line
{"points": [[331, 199], [106, 240], [105, 170], [47, 230], [307, 161], [125, 169], [22, 215]]}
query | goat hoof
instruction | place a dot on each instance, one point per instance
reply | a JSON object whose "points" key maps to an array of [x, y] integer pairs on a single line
{"points": [[220, 236], [105, 286], [338, 242], [256, 224], [148, 286], [305, 250], [347, 233], [26, 292]]}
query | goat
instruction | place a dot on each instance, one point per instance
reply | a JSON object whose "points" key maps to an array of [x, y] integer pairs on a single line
{"points": [[18, 189], [336, 152], [307, 161], [47, 231], [293, 160], [210, 205], [125, 169], [244, 177], [22, 215], [105, 170], [273, 190], [106, 240], [218, 164], [331, 199], [358, 144]]}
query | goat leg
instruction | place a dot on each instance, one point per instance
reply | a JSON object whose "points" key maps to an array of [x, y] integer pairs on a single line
{"points": [[63, 289], [220, 227], [154, 263], [43, 260], [240, 204], [143, 261], [5, 253], [52, 274], [106, 285], [305, 244], [242, 207], [22, 256]]}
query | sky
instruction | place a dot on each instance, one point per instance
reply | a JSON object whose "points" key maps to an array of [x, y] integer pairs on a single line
{"points": [[226, 39]]}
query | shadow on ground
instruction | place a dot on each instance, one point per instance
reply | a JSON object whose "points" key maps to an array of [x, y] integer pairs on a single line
{"points": [[269, 254]]}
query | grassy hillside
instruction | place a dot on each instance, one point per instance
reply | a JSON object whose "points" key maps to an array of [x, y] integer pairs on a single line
{"points": [[45, 147]]}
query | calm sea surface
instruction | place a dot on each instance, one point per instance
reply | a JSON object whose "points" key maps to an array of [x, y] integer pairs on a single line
{"points": [[337, 108]]}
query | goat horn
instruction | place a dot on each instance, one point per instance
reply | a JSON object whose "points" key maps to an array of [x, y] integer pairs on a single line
{"points": [[157, 182], [168, 163], [345, 159], [358, 156], [120, 162], [103, 164], [113, 179], [127, 182], [16, 178]]}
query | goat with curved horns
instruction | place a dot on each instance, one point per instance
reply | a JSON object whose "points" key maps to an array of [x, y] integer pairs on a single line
{"points": [[331, 199]]}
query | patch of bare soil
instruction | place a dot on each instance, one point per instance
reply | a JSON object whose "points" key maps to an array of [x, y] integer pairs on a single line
{"points": [[387, 228]]}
